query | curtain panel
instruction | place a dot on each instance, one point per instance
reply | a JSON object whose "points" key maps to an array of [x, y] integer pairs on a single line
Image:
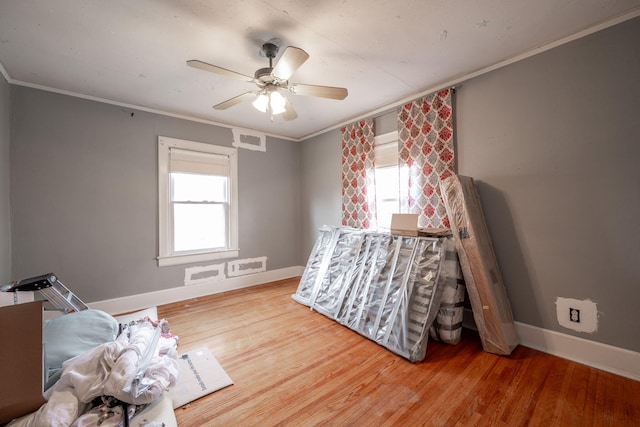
{"points": [[358, 179], [425, 148]]}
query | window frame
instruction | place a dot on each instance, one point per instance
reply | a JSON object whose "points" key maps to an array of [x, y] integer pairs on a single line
{"points": [[385, 141], [166, 255]]}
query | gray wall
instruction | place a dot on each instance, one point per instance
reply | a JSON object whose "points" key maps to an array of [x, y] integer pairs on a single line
{"points": [[5, 222], [85, 198], [554, 144], [321, 181]]}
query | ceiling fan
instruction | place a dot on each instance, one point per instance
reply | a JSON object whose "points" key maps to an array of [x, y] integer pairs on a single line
{"points": [[270, 80]]}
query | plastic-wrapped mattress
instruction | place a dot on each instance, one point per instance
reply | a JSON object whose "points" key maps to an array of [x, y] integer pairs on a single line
{"points": [[487, 292], [447, 326], [385, 287]]}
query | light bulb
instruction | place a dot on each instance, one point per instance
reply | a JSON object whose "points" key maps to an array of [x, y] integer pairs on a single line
{"points": [[277, 102], [261, 102]]}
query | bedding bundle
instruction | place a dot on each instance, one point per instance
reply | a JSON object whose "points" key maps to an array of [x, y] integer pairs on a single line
{"points": [[98, 385]]}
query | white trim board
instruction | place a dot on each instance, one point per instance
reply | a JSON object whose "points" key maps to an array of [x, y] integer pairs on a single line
{"points": [[615, 360], [167, 296], [606, 357]]}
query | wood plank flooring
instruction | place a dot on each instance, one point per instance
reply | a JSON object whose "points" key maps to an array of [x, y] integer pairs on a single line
{"points": [[294, 367]]}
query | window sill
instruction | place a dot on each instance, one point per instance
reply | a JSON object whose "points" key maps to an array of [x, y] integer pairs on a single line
{"points": [[165, 261]]}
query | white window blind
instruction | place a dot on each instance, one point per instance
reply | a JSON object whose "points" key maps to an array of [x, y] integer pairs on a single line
{"points": [[386, 172], [197, 162], [386, 154]]}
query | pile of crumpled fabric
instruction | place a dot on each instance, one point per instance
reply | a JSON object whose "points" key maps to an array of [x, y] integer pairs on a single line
{"points": [[124, 375]]}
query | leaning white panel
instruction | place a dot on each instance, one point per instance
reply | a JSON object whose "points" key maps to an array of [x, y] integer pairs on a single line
{"points": [[316, 264], [341, 268], [424, 288], [372, 259]]}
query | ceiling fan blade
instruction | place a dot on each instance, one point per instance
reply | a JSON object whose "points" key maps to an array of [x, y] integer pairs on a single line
{"points": [[235, 100], [289, 62], [320, 91], [219, 70], [289, 113]]}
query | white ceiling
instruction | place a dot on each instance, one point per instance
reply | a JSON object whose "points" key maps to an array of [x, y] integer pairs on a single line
{"points": [[133, 52]]}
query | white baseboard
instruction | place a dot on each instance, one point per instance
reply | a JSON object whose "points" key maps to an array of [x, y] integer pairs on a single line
{"points": [[167, 296], [616, 360], [606, 357]]}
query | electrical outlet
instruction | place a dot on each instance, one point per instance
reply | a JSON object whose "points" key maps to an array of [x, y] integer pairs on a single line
{"points": [[579, 315], [574, 315]]}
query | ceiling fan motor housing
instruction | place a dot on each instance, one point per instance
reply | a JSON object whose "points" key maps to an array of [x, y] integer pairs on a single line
{"points": [[264, 78], [263, 75]]}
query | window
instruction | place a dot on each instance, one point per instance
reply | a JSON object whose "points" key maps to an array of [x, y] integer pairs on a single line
{"points": [[387, 178], [197, 193]]}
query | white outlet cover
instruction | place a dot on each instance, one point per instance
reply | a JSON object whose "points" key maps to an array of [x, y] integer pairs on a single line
{"points": [[588, 314]]}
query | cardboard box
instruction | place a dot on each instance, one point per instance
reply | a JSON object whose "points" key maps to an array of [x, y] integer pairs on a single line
{"points": [[404, 224], [21, 367], [407, 225]]}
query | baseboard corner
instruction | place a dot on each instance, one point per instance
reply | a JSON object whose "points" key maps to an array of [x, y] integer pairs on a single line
{"points": [[615, 360]]}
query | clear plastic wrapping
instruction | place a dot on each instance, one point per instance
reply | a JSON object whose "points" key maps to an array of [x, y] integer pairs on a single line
{"points": [[385, 287], [447, 326], [486, 289], [327, 297], [316, 265]]}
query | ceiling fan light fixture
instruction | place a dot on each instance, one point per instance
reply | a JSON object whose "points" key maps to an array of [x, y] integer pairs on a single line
{"points": [[261, 102], [270, 100], [270, 80], [277, 102]]}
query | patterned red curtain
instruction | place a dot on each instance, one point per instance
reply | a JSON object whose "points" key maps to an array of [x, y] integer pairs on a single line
{"points": [[358, 182], [425, 144]]}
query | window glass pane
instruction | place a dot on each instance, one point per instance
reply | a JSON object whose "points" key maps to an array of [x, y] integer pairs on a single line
{"points": [[198, 188], [199, 226], [387, 201]]}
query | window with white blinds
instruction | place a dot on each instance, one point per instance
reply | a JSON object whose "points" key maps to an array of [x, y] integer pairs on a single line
{"points": [[197, 201], [387, 178]]}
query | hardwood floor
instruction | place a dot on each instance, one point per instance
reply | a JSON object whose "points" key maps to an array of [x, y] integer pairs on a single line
{"points": [[292, 366]]}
